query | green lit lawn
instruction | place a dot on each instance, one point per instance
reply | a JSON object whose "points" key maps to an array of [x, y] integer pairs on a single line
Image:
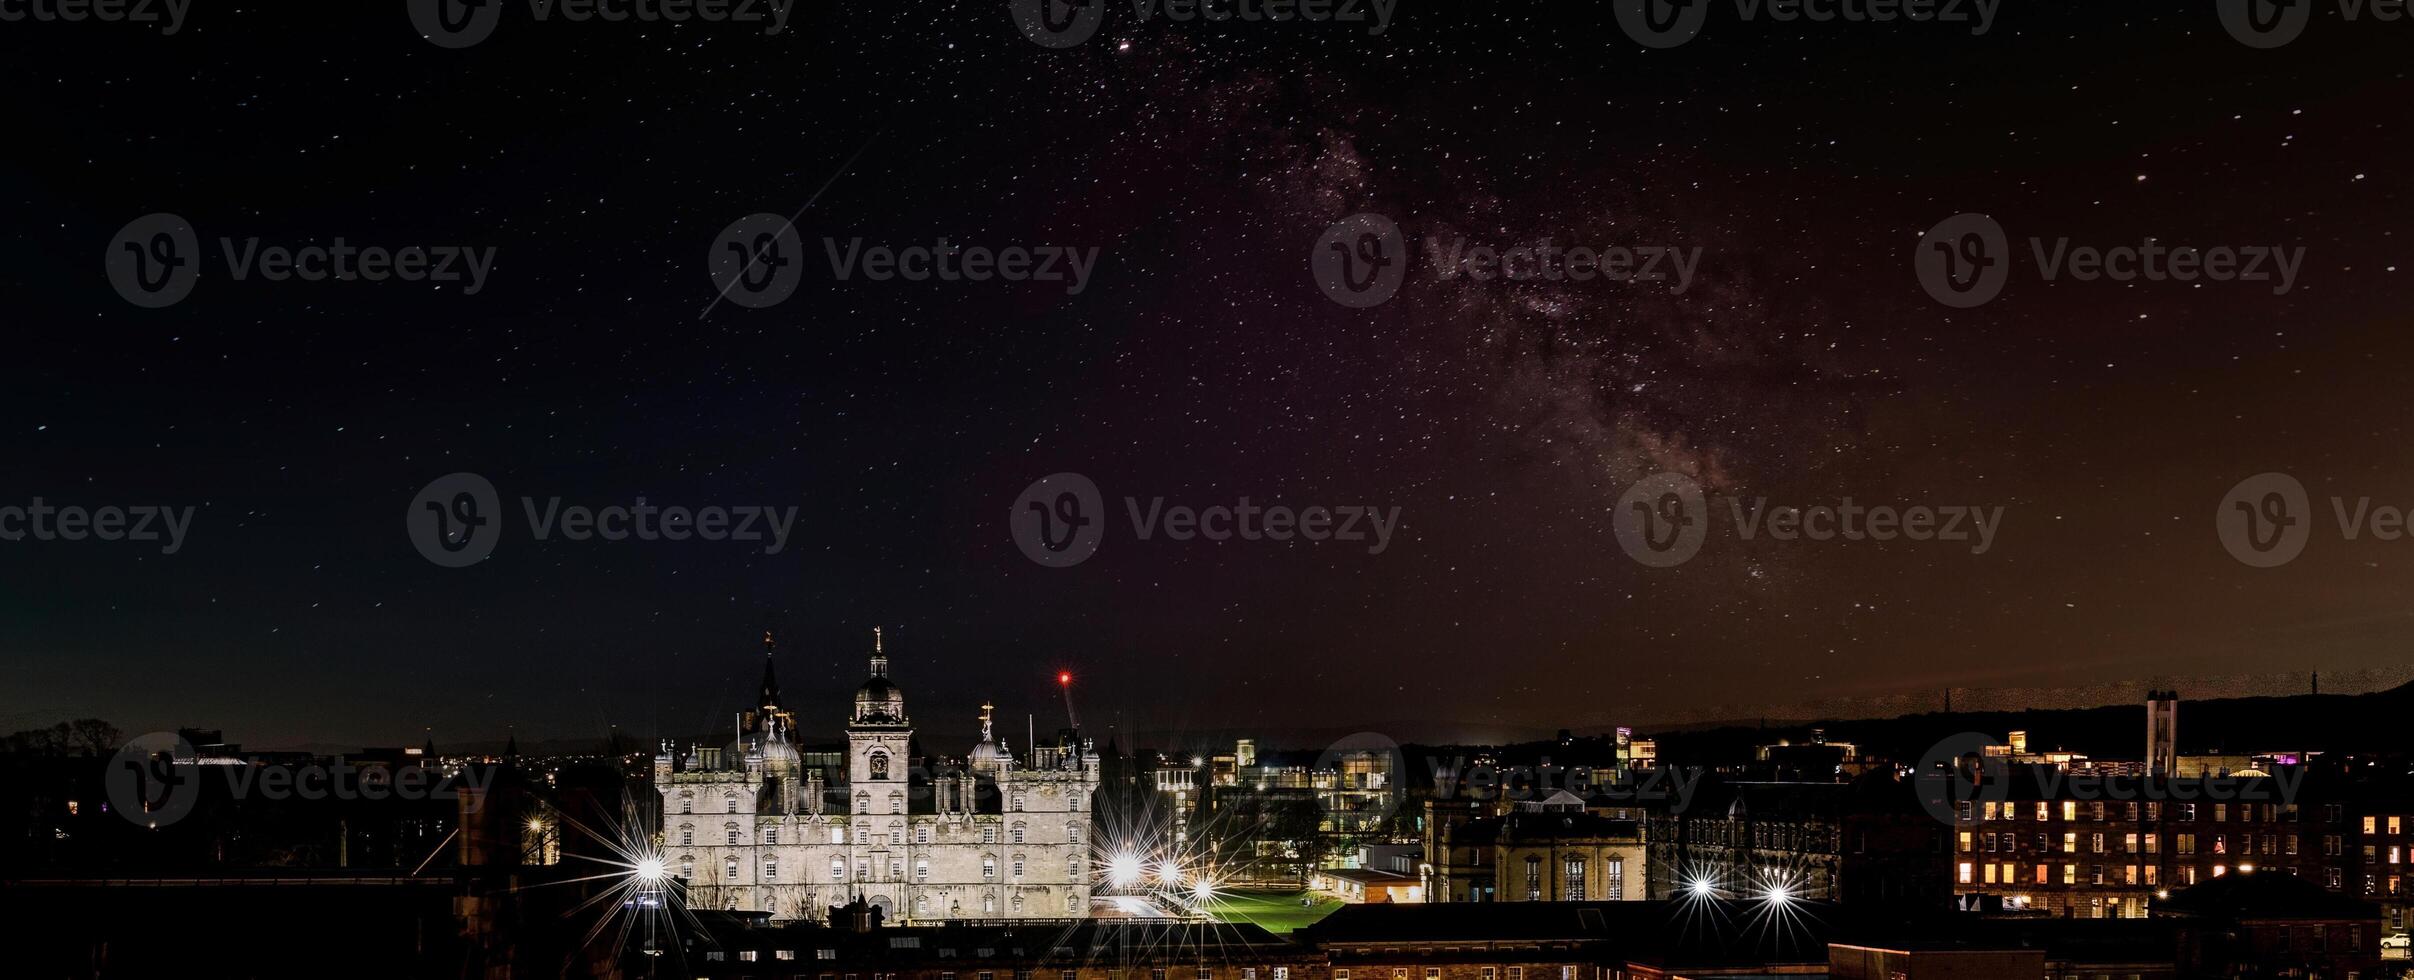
{"points": [[1275, 911]]}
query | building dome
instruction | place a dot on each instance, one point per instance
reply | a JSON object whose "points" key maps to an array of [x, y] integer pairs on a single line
{"points": [[986, 756], [878, 701]]}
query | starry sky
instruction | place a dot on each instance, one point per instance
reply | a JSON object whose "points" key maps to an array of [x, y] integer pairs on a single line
{"points": [[1201, 364]]}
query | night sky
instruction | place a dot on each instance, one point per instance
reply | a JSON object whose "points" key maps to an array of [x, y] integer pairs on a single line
{"points": [[1202, 364]]}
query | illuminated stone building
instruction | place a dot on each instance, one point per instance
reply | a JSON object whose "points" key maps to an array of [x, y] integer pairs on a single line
{"points": [[1551, 851], [757, 824]]}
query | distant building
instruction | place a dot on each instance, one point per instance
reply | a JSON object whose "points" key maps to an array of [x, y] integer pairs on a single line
{"points": [[1863, 842], [2162, 733], [1538, 854], [2273, 925]]}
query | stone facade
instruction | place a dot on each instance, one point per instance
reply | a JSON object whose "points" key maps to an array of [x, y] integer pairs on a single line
{"points": [[758, 824]]}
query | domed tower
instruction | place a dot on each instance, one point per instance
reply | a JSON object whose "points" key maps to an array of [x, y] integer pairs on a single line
{"points": [[878, 701], [877, 741], [986, 757]]}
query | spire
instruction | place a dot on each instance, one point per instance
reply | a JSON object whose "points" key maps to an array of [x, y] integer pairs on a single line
{"points": [[771, 684], [879, 655]]}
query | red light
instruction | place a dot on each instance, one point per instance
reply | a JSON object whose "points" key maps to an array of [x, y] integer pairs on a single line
{"points": [[1064, 677]]}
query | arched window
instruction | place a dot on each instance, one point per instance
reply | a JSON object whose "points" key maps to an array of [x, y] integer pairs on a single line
{"points": [[896, 803], [1072, 903], [879, 765], [1018, 867], [687, 866], [922, 871], [988, 867], [1072, 833], [732, 831], [863, 802], [729, 803], [730, 870], [1018, 802], [989, 903], [687, 802], [687, 834], [838, 869], [896, 832], [1073, 868], [921, 905], [1018, 833], [922, 834], [1073, 801], [1018, 905]]}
